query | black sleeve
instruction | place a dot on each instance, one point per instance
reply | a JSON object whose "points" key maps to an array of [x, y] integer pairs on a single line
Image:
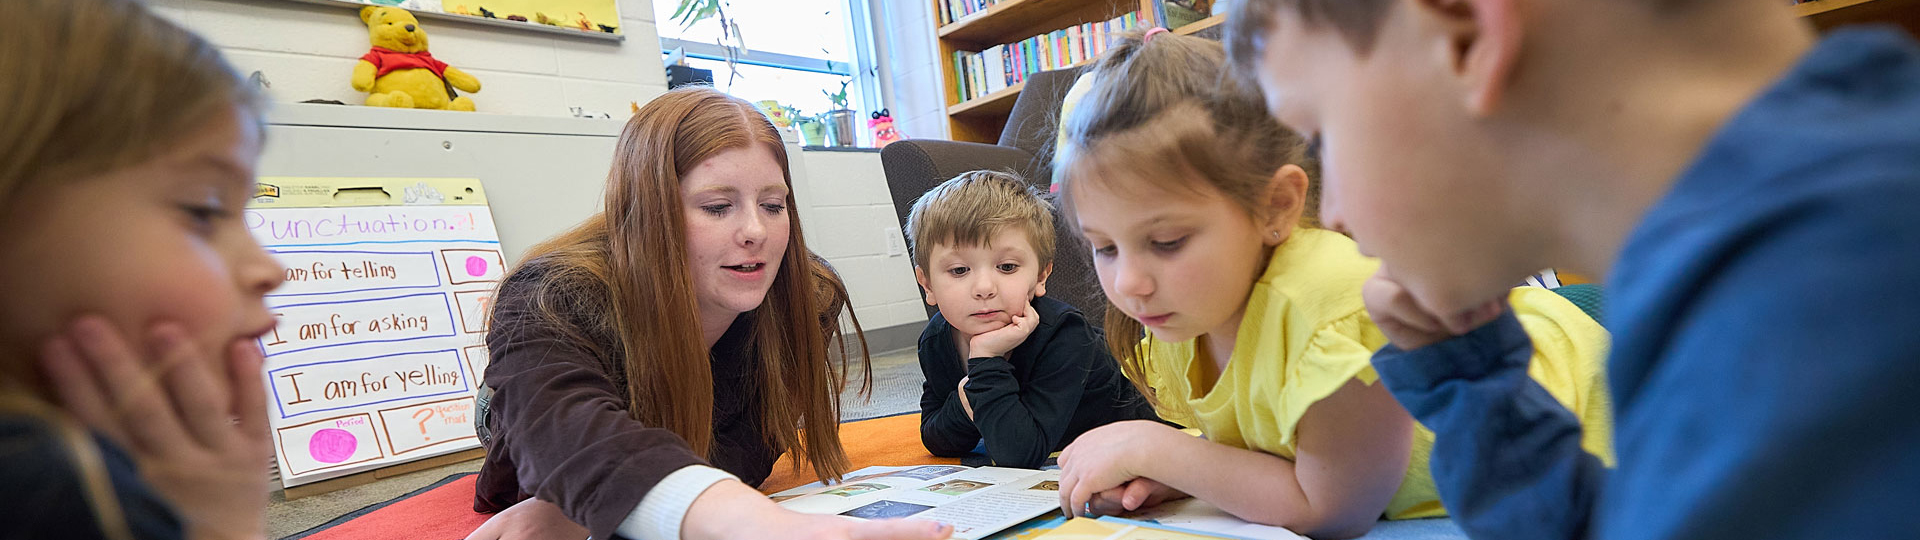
{"points": [[1024, 421], [944, 427]]}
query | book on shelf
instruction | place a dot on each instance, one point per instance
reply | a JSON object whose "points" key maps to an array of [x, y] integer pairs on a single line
{"points": [[995, 68], [980, 73], [952, 11]]}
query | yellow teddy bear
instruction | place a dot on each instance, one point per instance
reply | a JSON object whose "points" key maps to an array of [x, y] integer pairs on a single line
{"points": [[399, 72]]}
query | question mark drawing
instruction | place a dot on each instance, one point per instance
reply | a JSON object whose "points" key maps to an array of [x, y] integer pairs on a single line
{"points": [[423, 415]]}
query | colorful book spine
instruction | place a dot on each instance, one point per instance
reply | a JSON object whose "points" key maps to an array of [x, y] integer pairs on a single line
{"points": [[991, 58], [1060, 49], [1074, 38], [1012, 66], [958, 77], [979, 75], [1029, 59]]}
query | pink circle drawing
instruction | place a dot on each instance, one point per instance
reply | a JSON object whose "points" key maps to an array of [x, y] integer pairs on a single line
{"points": [[332, 445], [476, 266]]}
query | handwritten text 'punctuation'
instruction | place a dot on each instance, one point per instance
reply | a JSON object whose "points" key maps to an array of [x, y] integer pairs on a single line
{"points": [[394, 223]]}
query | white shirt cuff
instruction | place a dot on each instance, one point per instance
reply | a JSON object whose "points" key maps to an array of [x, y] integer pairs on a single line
{"points": [[659, 514]]}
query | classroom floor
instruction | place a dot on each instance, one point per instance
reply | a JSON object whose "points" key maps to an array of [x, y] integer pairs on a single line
{"points": [[896, 389]]}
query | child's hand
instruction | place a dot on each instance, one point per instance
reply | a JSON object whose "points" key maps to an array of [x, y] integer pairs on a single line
{"points": [[1411, 326], [1000, 341], [198, 435], [527, 520], [1106, 457], [1133, 495]]}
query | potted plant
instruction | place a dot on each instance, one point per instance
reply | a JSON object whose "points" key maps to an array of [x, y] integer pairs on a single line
{"points": [[840, 123], [691, 12], [813, 129]]}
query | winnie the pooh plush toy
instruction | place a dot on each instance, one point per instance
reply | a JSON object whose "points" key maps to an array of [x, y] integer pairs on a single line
{"points": [[399, 72]]}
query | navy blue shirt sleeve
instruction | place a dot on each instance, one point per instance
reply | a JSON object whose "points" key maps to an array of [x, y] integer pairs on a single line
{"points": [[46, 496], [1024, 421], [944, 427], [1506, 455]]}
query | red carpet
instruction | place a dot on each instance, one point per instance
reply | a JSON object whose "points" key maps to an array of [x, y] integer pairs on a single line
{"points": [[444, 511]]}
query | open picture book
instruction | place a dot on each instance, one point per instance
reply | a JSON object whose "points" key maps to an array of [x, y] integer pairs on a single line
{"points": [[1018, 504], [977, 502]]}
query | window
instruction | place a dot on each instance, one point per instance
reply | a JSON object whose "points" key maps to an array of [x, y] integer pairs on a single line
{"points": [[794, 50]]}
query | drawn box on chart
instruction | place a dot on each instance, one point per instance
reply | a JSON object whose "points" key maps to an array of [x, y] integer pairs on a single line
{"points": [[472, 265], [477, 362], [394, 319], [419, 426], [328, 444], [341, 384], [316, 272], [475, 306]]}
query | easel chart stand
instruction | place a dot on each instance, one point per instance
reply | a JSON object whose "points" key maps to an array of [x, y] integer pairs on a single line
{"points": [[382, 309]]}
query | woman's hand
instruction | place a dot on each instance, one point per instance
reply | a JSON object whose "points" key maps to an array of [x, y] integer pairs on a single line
{"points": [[530, 519], [195, 423], [730, 509], [818, 527], [1106, 457]]}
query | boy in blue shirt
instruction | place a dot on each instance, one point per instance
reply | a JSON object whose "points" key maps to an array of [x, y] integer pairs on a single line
{"points": [[1749, 191], [1005, 366]]}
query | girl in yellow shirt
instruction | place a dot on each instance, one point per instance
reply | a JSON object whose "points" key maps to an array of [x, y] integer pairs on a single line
{"points": [[1199, 211]]}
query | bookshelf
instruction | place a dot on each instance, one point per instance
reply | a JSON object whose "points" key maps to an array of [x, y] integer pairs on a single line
{"points": [[981, 118], [1007, 23], [997, 103], [1826, 14]]}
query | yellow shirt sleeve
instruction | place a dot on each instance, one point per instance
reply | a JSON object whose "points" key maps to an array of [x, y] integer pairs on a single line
{"points": [[1569, 360], [1332, 354], [1337, 352]]}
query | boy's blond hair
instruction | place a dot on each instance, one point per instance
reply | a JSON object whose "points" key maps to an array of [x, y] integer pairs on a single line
{"points": [[970, 209]]}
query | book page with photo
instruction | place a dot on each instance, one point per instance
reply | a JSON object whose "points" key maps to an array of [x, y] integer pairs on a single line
{"points": [[976, 501]]}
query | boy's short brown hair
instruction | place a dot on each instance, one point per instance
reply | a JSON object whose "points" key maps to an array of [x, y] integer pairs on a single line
{"points": [[1358, 21], [1247, 24], [970, 209]]}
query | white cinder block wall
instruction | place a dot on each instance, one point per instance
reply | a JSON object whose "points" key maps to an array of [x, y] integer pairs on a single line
{"points": [[308, 51], [849, 219]]}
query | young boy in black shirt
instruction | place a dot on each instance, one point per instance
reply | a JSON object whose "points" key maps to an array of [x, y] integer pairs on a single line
{"points": [[1003, 363]]}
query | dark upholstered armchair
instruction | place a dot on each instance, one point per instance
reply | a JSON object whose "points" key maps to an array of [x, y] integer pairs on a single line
{"points": [[1026, 147]]}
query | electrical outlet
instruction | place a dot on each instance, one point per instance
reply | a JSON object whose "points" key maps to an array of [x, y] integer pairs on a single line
{"points": [[896, 245]]}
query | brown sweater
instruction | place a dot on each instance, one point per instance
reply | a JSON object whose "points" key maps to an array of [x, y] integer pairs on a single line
{"points": [[561, 429]]}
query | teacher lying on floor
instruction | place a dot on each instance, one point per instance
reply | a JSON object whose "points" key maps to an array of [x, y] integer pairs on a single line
{"points": [[650, 365]]}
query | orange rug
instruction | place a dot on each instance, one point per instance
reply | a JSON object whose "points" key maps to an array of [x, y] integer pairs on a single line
{"points": [[444, 511], [890, 440]]}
